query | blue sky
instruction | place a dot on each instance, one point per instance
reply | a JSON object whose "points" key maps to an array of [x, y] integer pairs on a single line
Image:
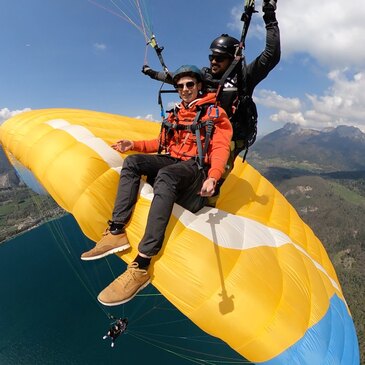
{"points": [[75, 54]]}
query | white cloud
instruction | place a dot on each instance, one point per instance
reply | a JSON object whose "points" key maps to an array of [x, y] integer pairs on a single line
{"points": [[5, 113], [99, 46], [342, 104], [284, 116], [147, 117], [271, 99], [331, 32]]}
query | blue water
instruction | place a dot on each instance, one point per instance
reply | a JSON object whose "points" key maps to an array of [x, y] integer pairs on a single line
{"points": [[49, 314]]}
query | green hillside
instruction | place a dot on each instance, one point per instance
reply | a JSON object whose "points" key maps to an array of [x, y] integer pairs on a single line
{"points": [[21, 209]]}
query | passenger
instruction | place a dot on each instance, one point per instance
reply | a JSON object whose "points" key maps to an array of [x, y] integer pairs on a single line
{"points": [[182, 175]]}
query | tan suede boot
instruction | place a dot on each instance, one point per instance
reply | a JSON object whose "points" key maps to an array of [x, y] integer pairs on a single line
{"points": [[125, 287]]}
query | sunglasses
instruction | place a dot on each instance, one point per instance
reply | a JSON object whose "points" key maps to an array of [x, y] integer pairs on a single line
{"points": [[189, 85], [217, 58]]}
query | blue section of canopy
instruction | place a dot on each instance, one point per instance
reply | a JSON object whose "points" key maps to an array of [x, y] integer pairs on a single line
{"points": [[332, 338]]}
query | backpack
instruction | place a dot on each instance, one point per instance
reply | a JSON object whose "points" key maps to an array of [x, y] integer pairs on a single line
{"points": [[243, 115], [244, 123]]}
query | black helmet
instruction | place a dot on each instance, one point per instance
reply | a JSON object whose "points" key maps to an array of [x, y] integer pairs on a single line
{"points": [[187, 70], [225, 44]]}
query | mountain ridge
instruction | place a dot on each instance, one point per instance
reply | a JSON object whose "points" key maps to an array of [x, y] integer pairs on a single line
{"points": [[334, 149]]}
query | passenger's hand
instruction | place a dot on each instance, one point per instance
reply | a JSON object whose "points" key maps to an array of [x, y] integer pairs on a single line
{"points": [[123, 145], [208, 187], [268, 5]]}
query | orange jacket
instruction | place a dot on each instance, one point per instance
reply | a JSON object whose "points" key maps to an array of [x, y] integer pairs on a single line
{"points": [[182, 143]]}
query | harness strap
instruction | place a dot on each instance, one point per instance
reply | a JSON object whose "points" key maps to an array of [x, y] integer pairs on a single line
{"points": [[209, 129], [194, 128], [198, 140], [208, 135], [233, 69], [178, 127]]}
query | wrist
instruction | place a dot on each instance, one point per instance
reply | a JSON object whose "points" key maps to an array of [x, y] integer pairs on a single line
{"points": [[214, 180]]}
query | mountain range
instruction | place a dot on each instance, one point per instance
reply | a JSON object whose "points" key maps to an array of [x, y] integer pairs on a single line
{"points": [[333, 149]]}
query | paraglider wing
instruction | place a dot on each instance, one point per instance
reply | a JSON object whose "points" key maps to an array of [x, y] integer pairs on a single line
{"points": [[249, 271]]}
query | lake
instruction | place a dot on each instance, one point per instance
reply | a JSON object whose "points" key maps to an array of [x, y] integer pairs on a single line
{"points": [[49, 313]]}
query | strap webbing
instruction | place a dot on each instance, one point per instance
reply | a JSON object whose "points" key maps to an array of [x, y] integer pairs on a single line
{"points": [[198, 140]]}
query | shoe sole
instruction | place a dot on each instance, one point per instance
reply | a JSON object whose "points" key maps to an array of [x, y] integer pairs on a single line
{"points": [[128, 299], [114, 250]]}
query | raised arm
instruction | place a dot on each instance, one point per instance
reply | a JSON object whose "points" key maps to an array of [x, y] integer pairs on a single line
{"points": [[258, 69]]}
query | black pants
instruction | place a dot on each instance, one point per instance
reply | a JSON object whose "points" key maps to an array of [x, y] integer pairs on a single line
{"points": [[173, 181]]}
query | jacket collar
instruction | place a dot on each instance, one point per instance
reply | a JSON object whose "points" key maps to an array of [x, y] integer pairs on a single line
{"points": [[208, 98]]}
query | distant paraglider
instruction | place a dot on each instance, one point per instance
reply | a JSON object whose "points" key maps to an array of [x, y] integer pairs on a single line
{"points": [[118, 327], [248, 271]]}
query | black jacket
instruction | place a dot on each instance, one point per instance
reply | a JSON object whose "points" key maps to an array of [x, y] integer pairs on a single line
{"points": [[252, 73]]}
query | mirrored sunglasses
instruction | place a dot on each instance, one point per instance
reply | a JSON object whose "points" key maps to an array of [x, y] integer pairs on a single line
{"points": [[217, 58]]}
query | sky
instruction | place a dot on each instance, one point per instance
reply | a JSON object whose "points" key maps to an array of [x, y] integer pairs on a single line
{"points": [[82, 54]]}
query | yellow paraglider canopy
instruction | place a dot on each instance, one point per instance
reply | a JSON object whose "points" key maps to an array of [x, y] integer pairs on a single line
{"points": [[248, 271]]}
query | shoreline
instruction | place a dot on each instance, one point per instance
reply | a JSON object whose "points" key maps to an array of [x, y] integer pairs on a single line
{"points": [[28, 227]]}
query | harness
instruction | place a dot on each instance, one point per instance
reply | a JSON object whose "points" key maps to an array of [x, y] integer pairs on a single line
{"points": [[244, 117], [195, 128]]}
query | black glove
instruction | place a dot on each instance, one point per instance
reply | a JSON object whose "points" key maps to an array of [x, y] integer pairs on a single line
{"points": [[147, 70], [268, 5]]}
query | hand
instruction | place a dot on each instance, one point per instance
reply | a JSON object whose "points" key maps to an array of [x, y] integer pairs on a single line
{"points": [[269, 5], [208, 187], [146, 69], [123, 145]]}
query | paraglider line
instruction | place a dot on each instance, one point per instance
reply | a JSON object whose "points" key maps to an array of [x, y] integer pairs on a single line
{"points": [[142, 20], [61, 240], [124, 16], [162, 345], [160, 324]]}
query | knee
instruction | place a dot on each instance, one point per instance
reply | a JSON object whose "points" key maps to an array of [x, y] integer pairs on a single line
{"points": [[164, 181], [132, 163], [163, 177]]}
